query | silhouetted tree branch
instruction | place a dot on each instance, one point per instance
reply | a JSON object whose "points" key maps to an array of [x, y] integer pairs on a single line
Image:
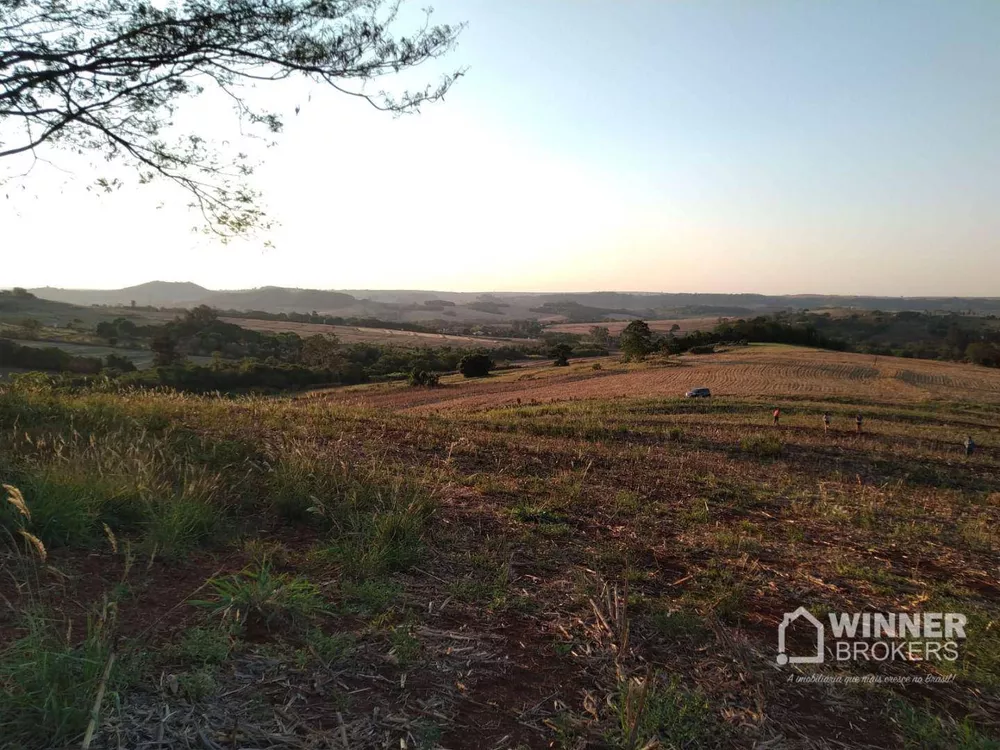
{"points": [[108, 75]]}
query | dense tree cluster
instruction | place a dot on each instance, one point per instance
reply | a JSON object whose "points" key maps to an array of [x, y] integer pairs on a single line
{"points": [[51, 359]]}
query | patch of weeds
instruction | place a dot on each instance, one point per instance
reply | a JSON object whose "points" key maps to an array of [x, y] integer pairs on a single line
{"points": [[627, 502], [882, 580], [975, 533], [204, 646], [262, 552], [562, 648], [678, 625], [294, 488], [427, 735], [63, 511], [528, 513], [369, 597], [666, 712], [914, 532], [556, 530], [177, 525], [262, 599], [196, 685], [736, 540], [381, 530], [330, 648], [979, 654], [694, 514], [762, 446], [405, 647], [723, 592], [794, 534], [49, 684], [922, 729]]}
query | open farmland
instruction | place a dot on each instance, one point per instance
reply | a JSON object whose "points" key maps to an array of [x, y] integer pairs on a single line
{"points": [[386, 336], [768, 372], [687, 325], [547, 558]]}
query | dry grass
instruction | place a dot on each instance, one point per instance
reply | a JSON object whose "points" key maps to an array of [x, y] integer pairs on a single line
{"points": [[386, 336], [764, 372], [605, 567]]}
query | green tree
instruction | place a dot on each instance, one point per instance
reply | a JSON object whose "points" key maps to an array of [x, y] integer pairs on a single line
{"points": [[31, 327], [107, 76], [117, 362], [321, 350], [600, 335], [164, 349], [636, 341], [475, 365], [982, 353], [199, 317], [560, 354]]}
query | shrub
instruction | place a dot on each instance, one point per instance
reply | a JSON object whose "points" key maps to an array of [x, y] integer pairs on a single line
{"points": [[423, 378], [475, 365], [117, 362], [560, 354]]}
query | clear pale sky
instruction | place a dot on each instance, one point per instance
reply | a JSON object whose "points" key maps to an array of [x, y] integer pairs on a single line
{"points": [[777, 146]]}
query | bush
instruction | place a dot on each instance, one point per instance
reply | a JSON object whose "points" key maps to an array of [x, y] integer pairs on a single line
{"points": [[423, 378], [116, 362], [475, 365], [560, 354]]}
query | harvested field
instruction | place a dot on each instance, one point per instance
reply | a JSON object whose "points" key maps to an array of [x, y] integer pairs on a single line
{"points": [[687, 325], [770, 371], [603, 564], [386, 336]]}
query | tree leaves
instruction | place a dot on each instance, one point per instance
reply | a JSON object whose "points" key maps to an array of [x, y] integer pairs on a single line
{"points": [[107, 76]]}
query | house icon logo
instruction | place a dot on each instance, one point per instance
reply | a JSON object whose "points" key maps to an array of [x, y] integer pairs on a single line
{"points": [[788, 619]]}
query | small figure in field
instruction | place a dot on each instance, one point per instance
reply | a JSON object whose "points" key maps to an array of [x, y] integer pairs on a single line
{"points": [[777, 415], [970, 446], [857, 422], [826, 421]]}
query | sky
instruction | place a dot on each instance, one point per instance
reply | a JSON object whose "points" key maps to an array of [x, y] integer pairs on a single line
{"points": [[776, 146]]}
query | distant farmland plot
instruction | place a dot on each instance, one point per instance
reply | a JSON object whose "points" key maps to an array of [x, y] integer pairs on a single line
{"points": [[141, 358], [764, 371], [617, 326], [359, 335]]}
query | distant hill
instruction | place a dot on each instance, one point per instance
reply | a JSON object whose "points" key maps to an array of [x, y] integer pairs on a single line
{"points": [[409, 305], [152, 293]]}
